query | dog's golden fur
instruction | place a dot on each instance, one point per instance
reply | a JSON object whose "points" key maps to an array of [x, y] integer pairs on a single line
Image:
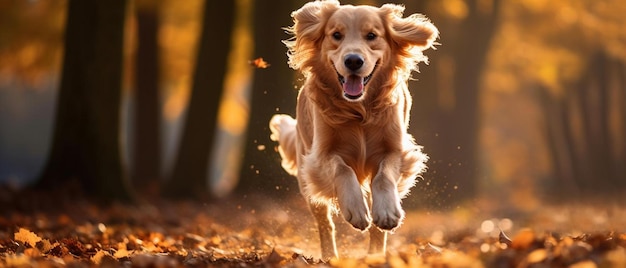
{"points": [[349, 147]]}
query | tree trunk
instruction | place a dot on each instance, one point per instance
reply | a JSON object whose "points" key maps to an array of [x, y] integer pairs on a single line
{"points": [[273, 92], [147, 132], [586, 145], [593, 97], [189, 177], [562, 145], [618, 88], [86, 139], [446, 105]]}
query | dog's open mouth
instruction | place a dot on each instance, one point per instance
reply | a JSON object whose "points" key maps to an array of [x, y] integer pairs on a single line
{"points": [[353, 85]]}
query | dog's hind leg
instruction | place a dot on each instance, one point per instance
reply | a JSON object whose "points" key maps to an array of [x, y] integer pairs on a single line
{"points": [[326, 228]]}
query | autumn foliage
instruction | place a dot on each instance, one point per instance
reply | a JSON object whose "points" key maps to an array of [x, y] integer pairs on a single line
{"points": [[522, 109], [254, 232]]}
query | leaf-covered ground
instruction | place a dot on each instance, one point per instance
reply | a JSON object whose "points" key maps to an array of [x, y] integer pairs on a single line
{"points": [[270, 232]]}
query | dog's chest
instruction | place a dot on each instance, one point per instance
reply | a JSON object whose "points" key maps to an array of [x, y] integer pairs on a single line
{"points": [[362, 148]]}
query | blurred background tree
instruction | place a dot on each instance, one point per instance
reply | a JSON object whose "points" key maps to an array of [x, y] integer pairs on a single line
{"points": [[446, 115], [189, 177], [146, 153], [86, 141], [273, 91], [523, 101], [554, 101]]}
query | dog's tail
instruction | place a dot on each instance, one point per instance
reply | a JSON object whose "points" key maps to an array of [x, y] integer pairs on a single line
{"points": [[283, 129]]}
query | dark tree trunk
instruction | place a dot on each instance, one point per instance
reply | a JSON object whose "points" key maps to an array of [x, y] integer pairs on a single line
{"points": [[618, 88], [273, 92], [597, 155], [86, 140], [189, 177], [446, 104], [147, 133], [561, 145], [586, 146]]}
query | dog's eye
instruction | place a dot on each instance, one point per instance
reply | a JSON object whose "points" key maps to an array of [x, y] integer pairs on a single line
{"points": [[337, 36], [370, 36]]}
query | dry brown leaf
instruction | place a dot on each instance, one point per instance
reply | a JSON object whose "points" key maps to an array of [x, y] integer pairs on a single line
{"points": [[504, 239], [457, 259], [32, 252], [523, 239], [584, 264], [537, 255], [429, 250], [19, 260], [347, 263], [274, 258], [97, 259], [214, 241], [577, 251], [74, 246], [27, 237], [396, 261], [121, 253], [45, 246], [375, 259], [617, 257]]}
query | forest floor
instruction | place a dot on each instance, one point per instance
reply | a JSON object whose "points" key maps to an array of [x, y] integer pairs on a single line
{"points": [[265, 231]]}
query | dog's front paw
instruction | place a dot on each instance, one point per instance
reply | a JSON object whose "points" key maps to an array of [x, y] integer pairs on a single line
{"points": [[357, 215], [387, 215]]}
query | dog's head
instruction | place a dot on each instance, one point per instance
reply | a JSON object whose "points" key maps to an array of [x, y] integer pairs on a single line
{"points": [[357, 46]]}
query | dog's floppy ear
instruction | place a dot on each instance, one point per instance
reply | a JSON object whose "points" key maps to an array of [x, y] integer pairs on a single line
{"points": [[414, 31], [307, 30]]}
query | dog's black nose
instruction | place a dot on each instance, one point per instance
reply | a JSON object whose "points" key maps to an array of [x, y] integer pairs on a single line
{"points": [[353, 62]]}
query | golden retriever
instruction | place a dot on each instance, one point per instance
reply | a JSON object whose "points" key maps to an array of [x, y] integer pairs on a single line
{"points": [[349, 146]]}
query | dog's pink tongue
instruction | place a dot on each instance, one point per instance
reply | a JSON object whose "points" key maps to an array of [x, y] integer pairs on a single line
{"points": [[353, 86]]}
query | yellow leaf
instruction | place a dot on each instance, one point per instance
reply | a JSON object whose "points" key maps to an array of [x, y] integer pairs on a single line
{"points": [[32, 252], [584, 264], [523, 239], [347, 263], [46, 245], [121, 253], [19, 260], [537, 255], [259, 63], [97, 259], [27, 237]]}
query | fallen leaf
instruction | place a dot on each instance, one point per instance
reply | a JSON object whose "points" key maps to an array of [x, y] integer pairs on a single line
{"points": [[523, 240], [74, 246], [27, 237], [19, 260], [274, 258], [122, 251], [32, 252], [504, 239], [347, 263], [584, 264], [537, 255], [375, 259], [45, 246], [259, 63], [97, 258]]}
